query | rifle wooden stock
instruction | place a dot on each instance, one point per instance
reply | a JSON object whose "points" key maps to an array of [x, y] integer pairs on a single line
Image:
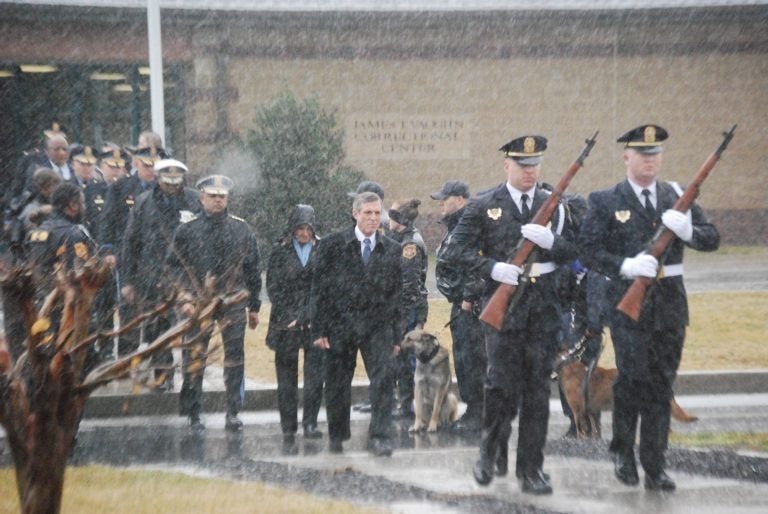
{"points": [[496, 308], [632, 302]]}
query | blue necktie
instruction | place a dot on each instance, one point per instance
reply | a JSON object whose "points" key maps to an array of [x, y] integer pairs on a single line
{"points": [[525, 210], [366, 250]]}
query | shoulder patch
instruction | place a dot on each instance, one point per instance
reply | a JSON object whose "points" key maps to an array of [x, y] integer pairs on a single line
{"points": [[238, 218], [38, 236], [186, 216], [410, 251]]}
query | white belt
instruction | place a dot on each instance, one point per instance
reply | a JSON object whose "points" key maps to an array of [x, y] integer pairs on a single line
{"points": [[541, 268], [671, 270]]}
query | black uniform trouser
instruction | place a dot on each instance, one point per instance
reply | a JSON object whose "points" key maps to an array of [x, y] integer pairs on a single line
{"points": [[519, 365], [287, 370], [469, 357], [340, 362], [647, 361], [193, 365]]}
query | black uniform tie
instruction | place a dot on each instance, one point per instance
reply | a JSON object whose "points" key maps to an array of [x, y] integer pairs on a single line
{"points": [[649, 208], [524, 209]]}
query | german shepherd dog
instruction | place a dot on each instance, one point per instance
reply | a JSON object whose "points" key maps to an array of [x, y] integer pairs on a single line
{"points": [[434, 404], [586, 404]]}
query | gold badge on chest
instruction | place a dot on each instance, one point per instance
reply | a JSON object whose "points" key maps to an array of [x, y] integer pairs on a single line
{"points": [[494, 213], [623, 216]]}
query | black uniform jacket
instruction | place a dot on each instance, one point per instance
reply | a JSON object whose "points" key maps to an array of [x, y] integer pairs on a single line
{"points": [[120, 199], [351, 301], [489, 231], [452, 281], [617, 226], [58, 239], [148, 234], [413, 263], [219, 244], [289, 285]]}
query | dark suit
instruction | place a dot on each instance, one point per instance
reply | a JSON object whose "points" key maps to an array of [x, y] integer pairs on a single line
{"points": [[648, 352], [520, 355], [289, 284], [357, 307]]}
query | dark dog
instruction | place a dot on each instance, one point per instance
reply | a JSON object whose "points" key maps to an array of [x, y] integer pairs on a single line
{"points": [[586, 408], [434, 404]]}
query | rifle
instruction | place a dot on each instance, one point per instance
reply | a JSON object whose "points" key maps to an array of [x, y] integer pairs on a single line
{"points": [[493, 313], [632, 302]]}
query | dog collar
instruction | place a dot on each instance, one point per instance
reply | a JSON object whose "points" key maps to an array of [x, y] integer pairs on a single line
{"points": [[426, 357]]}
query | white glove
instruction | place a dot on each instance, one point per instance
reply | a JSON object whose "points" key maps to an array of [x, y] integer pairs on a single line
{"points": [[506, 273], [641, 265], [539, 235], [678, 223]]}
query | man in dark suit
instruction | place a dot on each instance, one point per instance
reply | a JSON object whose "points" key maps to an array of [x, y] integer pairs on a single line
{"points": [[521, 354], [355, 305], [620, 222]]}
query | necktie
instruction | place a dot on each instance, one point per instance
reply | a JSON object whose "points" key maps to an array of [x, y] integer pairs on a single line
{"points": [[524, 209], [366, 250], [648, 205]]}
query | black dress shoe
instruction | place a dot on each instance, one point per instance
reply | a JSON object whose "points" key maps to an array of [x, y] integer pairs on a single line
{"points": [[289, 445], [195, 424], [482, 474], [380, 447], [625, 468], [335, 446], [535, 483], [659, 482], [232, 423], [519, 474], [311, 432]]}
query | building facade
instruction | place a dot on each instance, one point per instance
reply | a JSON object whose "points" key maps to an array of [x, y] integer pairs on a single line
{"points": [[423, 96]]}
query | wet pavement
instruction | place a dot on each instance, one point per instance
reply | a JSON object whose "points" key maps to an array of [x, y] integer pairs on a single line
{"points": [[432, 472]]}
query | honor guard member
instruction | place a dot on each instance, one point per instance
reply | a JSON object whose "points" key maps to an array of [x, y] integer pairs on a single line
{"points": [[154, 217], [521, 354], [619, 224], [219, 245], [463, 292], [413, 299]]}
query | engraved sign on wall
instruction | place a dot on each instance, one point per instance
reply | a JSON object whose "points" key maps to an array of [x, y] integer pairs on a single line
{"points": [[403, 136]]}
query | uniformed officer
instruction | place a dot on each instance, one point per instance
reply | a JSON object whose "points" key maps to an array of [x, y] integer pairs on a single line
{"points": [[83, 163], [154, 217], [619, 224], [520, 355], [464, 292], [219, 245], [413, 299], [120, 198], [61, 239]]}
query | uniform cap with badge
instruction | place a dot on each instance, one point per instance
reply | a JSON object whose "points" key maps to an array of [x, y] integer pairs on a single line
{"points": [[82, 154], [451, 188], [215, 185], [114, 157], [525, 150], [150, 155], [646, 139], [171, 171]]}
